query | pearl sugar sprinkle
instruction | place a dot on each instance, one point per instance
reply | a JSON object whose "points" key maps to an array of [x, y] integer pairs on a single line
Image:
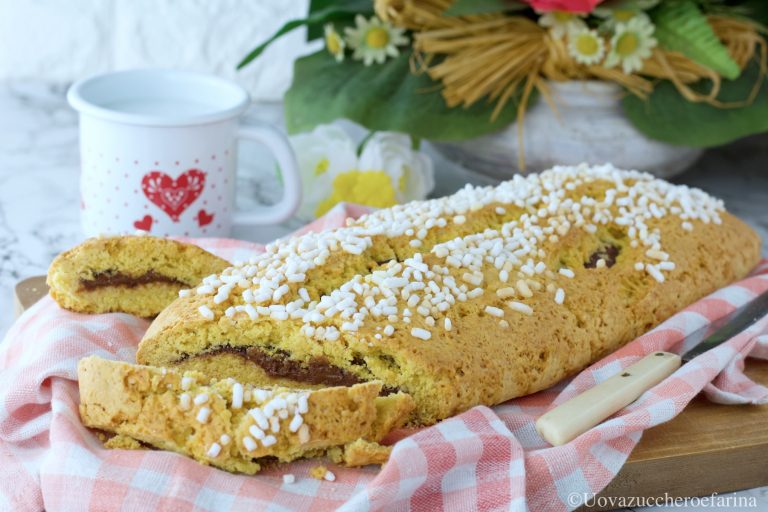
{"points": [[273, 408], [417, 294]]}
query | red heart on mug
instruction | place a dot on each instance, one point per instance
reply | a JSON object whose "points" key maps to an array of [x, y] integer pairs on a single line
{"points": [[204, 218], [173, 196], [144, 224]]}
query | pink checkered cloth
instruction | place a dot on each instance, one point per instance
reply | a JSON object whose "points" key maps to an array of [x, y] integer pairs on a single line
{"points": [[486, 458]]}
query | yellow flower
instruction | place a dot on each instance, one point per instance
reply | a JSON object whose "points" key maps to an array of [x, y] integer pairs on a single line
{"points": [[387, 171], [321, 154], [371, 188], [334, 43]]}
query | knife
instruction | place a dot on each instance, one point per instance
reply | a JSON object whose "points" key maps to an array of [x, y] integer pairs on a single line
{"points": [[574, 417]]}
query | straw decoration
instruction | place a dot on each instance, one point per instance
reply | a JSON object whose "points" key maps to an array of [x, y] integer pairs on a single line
{"points": [[493, 56]]}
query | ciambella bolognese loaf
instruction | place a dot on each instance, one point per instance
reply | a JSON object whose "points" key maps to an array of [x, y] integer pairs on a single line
{"points": [[475, 298]]}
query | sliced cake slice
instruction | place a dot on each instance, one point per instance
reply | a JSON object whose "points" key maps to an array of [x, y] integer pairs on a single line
{"points": [[140, 275], [230, 425]]}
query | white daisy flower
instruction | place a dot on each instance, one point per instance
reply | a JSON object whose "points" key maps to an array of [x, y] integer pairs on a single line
{"points": [[586, 46], [560, 23], [374, 40], [631, 44], [387, 172], [334, 43]]}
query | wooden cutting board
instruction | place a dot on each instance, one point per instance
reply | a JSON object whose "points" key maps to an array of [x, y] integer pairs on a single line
{"points": [[707, 448]]}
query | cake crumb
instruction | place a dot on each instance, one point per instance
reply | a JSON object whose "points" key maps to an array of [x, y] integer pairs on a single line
{"points": [[289, 478], [318, 472], [122, 442]]}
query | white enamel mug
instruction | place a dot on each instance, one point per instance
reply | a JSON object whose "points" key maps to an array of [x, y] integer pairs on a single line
{"points": [[158, 153]]}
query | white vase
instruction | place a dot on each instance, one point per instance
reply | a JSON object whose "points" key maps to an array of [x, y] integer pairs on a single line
{"points": [[589, 126]]}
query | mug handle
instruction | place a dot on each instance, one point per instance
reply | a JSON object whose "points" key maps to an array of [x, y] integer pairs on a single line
{"points": [[281, 149]]}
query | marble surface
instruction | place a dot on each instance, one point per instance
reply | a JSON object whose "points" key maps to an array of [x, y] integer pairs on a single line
{"points": [[39, 187]]}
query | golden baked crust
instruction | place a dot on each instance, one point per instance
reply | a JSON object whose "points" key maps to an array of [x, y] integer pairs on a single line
{"points": [[473, 299], [215, 427], [168, 265]]}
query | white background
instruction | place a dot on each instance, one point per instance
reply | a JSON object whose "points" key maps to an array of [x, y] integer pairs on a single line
{"points": [[65, 40]]}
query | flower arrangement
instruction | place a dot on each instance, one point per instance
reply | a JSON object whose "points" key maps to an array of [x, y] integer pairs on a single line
{"points": [[694, 70], [381, 171]]}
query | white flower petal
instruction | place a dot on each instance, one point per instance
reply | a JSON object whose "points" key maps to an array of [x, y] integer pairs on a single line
{"points": [[392, 153], [328, 147]]}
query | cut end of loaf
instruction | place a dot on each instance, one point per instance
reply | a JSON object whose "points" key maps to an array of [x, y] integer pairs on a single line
{"points": [[225, 423], [140, 275]]}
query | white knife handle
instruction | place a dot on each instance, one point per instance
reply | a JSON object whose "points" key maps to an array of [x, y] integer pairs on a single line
{"points": [[582, 412]]}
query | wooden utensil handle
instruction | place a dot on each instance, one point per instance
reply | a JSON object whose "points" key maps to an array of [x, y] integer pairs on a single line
{"points": [[582, 412], [27, 292]]}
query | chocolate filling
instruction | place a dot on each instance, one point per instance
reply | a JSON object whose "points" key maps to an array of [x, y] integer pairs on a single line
{"points": [[112, 278], [607, 253], [279, 365], [317, 371]]}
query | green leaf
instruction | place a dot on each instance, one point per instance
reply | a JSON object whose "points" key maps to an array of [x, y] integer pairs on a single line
{"points": [[471, 7], [668, 117], [320, 5], [351, 7], [682, 27], [331, 12], [382, 97]]}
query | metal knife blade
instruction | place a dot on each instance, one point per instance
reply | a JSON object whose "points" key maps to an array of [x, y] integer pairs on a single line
{"points": [[726, 327]]}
